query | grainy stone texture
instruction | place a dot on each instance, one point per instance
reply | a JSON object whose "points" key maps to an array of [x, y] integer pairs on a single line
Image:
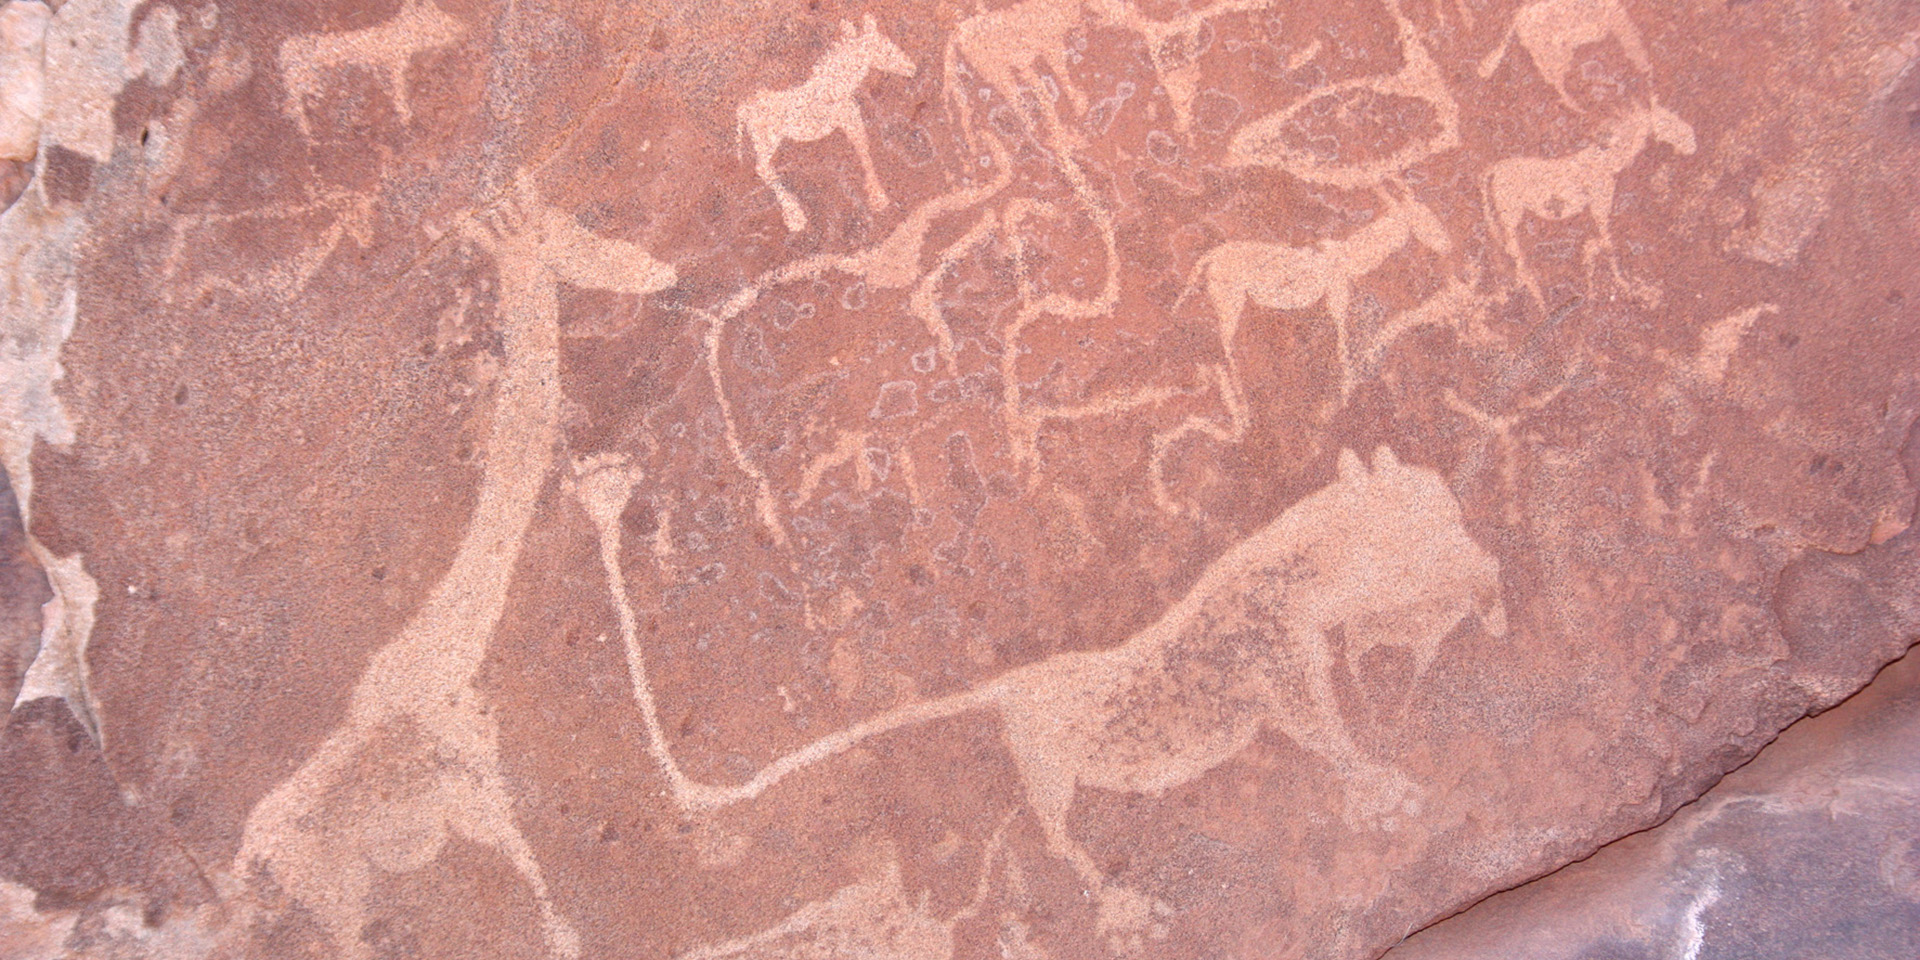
{"points": [[1071, 479], [1812, 850]]}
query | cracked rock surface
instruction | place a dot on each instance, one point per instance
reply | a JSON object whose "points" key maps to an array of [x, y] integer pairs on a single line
{"points": [[1059, 479]]}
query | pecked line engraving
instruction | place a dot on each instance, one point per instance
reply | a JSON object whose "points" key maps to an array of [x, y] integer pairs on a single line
{"points": [[1380, 553], [817, 108], [417, 758]]}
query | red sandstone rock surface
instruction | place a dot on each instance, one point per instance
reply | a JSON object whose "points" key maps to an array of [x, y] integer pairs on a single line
{"points": [[1810, 851], [1061, 479]]}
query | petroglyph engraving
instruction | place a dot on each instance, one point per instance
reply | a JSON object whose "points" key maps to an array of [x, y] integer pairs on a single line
{"points": [[1381, 555], [1004, 48], [817, 108], [1561, 188], [417, 757], [309, 62], [873, 918], [348, 216], [1280, 277], [1719, 342], [1551, 31], [1265, 143], [1174, 47]]}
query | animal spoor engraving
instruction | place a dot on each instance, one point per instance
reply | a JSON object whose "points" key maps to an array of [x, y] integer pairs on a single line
{"points": [[1280, 277], [820, 106], [1561, 188], [1552, 30], [1379, 557], [386, 48]]}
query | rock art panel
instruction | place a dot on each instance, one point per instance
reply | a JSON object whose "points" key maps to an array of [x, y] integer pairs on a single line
{"points": [[1048, 479]]}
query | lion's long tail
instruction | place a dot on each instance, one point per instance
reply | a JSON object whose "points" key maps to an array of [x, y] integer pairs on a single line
{"points": [[834, 744]]}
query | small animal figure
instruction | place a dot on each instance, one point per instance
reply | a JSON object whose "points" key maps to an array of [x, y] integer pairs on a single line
{"points": [[1561, 188], [1552, 30], [820, 106], [386, 48], [1280, 277], [1003, 46]]}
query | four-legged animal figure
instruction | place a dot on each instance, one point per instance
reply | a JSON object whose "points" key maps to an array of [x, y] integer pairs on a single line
{"points": [[1281, 277], [1552, 30], [1379, 557], [818, 107], [386, 48], [416, 759], [1561, 188]]}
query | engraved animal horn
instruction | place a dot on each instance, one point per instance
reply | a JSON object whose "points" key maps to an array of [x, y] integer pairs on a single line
{"points": [[1351, 469]]}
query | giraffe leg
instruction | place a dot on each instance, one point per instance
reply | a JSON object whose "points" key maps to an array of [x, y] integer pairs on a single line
{"points": [[1510, 222], [485, 815], [1338, 299]]}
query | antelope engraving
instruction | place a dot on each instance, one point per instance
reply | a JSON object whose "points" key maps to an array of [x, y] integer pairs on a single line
{"points": [[1280, 277], [418, 756], [1561, 188], [387, 49], [1381, 555], [820, 106], [1552, 30]]}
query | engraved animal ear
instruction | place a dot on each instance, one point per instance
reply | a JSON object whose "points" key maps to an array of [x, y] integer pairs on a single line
{"points": [[868, 25], [1351, 469], [1383, 459], [847, 31], [1494, 618]]}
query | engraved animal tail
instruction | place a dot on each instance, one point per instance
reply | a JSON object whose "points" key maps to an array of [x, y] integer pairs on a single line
{"points": [[697, 796], [1194, 277], [1486, 206], [1492, 62]]}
